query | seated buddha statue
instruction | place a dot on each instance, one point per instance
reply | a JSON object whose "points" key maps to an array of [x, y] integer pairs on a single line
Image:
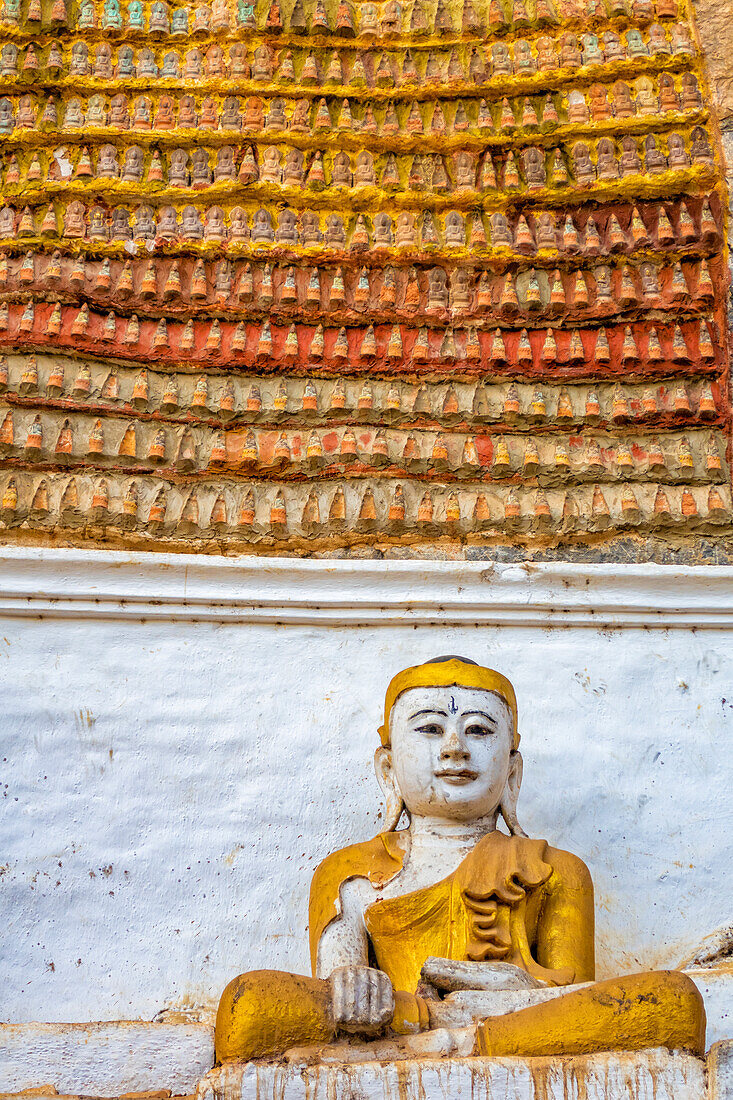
{"points": [[452, 890]]}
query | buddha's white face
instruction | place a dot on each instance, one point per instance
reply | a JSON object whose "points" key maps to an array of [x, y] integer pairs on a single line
{"points": [[451, 753]]}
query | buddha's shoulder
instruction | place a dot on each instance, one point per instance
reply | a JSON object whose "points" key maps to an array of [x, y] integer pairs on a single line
{"points": [[568, 868], [378, 858]]}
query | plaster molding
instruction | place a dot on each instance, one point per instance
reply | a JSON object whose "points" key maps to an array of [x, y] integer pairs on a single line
{"points": [[112, 585]]}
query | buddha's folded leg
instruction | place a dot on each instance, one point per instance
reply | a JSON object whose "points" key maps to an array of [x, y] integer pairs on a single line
{"points": [[662, 1009], [265, 1012]]}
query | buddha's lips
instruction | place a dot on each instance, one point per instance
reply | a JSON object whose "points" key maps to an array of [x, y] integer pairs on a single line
{"points": [[461, 775]]}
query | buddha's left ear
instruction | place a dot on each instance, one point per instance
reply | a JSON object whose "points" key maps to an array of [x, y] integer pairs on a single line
{"points": [[390, 789], [508, 805]]}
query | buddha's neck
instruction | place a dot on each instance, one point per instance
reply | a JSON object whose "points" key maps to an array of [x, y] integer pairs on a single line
{"points": [[436, 847]]}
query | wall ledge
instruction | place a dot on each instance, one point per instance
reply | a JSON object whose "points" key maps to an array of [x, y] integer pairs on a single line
{"points": [[99, 584]]}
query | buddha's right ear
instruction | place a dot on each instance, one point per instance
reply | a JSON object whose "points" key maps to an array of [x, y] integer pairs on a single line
{"points": [[391, 791]]}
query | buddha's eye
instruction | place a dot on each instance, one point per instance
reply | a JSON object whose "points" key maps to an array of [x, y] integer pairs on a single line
{"points": [[476, 730], [432, 729]]}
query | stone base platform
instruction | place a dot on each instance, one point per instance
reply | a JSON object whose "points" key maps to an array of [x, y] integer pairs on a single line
{"points": [[648, 1075]]}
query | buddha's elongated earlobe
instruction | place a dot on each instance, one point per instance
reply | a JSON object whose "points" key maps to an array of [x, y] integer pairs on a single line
{"points": [[508, 804], [394, 805]]}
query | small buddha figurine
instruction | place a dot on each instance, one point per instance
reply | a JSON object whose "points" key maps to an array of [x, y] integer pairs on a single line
{"points": [[501, 62], [215, 228], [254, 115], [577, 107], [629, 161], [270, 170], [608, 167], [391, 18], [534, 167], [194, 64], [7, 222], [300, 120], [680, 40], [125, 66], [246, 14], [623, 104], [342, 173], [7, 118], [570, 55], [26, 113], [191, 225], [647, 102], [678, 158], [171, 66], [635, 45], [135, 17], [119, 114], [293, 170], [546, 232], [613, 47], [238, 62], [455, 229], [201, 19], [132, 171], [600, 108], [262, 64], [546, 53], [225, 167], [107, 166], [179, 23], [209, 118], [368, 19], [178, 168], [658, 43], [238, 224], [200, 170], [583, 169], [220, 15], [87, 16], [383, 234], [231, 118], [287, 227], [524, 62], [592, 53], [274, 119], [167, 223], [335, 234], [74, 219], [501, 234], [310, 228], [364, 174], [655, 161], [700, 148], [103, 61], [451, 886], [262, 227], [9, 58], [73, 116], [144, 229], [142, 118], [214, 61], [98, 228], [668, 98], [120, 224], [465, 170], [691, 98], [649, 282], [165, 118]]}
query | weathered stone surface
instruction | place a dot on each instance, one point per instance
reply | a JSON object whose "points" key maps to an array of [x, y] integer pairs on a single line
{"points": [[104, 1059]]}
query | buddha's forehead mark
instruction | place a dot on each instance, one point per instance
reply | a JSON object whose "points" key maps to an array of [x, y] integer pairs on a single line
{"points": [[453, 707]]}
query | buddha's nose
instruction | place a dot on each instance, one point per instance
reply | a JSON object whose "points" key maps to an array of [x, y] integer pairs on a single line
{"points": [[454, 747]]}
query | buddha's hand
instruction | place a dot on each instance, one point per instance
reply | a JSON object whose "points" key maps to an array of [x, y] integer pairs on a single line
{"points": [[362, 999]]}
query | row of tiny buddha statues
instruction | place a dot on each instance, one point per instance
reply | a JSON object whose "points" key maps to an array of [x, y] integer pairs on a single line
{"points": [[475, 64], [534, 166], [645, 98], [311, 229], [373, 20]]}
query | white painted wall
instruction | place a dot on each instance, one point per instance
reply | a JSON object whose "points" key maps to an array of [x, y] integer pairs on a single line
{"points": [[168, 786]]}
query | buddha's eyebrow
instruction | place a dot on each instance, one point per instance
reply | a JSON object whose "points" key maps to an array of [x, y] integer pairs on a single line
{"points": [[430, 710], [481, 714]]}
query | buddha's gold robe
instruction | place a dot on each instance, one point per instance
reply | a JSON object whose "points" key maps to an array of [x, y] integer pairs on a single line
{"points": [[511, 899]]}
